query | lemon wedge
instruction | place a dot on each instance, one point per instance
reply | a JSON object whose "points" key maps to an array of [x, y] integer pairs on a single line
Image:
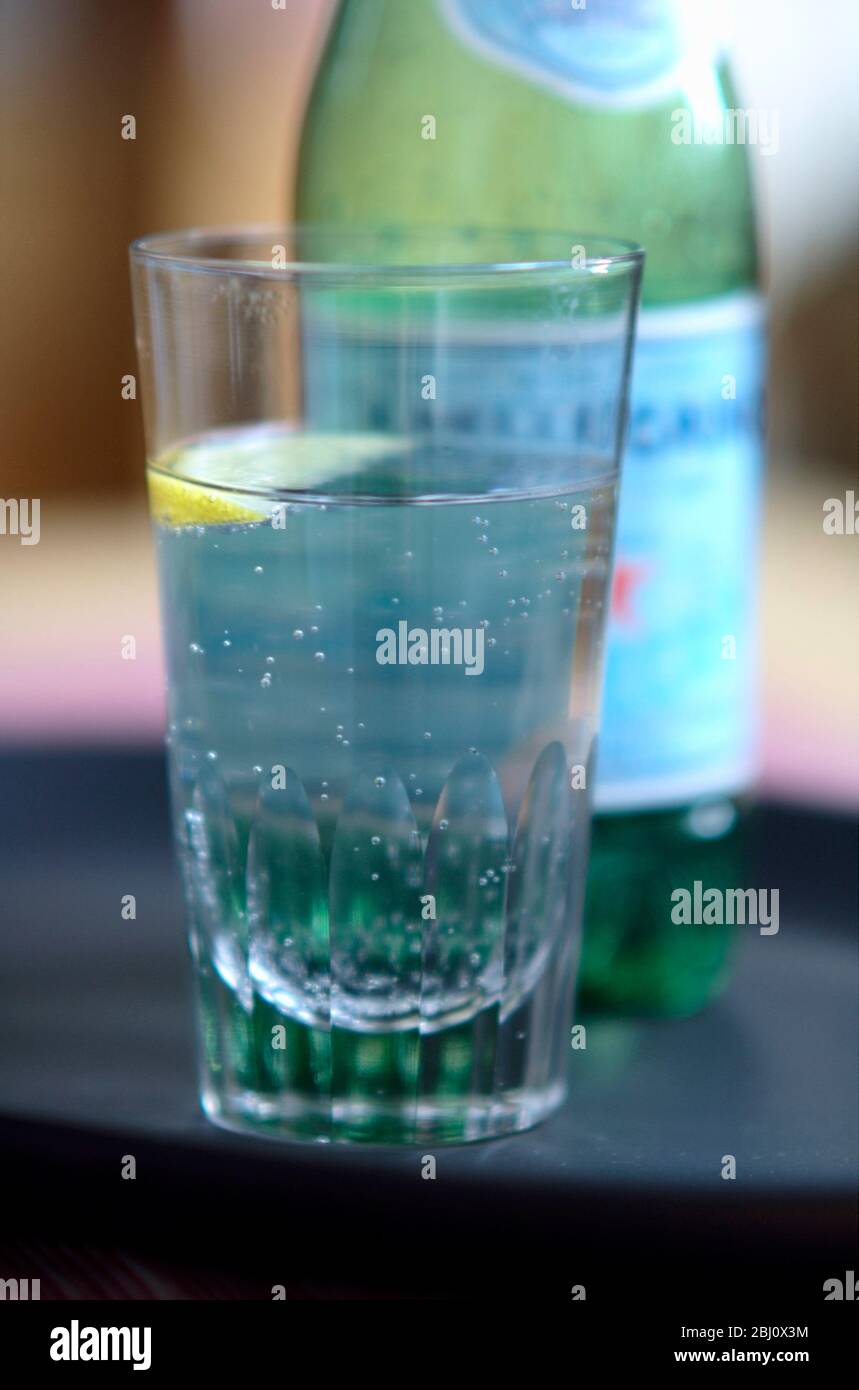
{"points": [[174, 502], [194, 485]]}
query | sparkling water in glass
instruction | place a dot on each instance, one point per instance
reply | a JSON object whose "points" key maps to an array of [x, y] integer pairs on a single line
{"points": [[383, 479]]}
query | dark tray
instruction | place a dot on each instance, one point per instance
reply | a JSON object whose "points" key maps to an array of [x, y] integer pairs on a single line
{"points": [[97, 1062]]}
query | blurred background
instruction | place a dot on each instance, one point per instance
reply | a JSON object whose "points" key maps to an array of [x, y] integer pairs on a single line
{"points": [[217, 90]]}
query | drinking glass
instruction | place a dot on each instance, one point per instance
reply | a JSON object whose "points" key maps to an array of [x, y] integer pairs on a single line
{"points": [[383, 471]]}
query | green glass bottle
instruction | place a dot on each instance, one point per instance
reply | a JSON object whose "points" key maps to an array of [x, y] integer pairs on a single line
{"points": [[618, 117]]}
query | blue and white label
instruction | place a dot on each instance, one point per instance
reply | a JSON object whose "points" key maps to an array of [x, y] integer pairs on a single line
{"points": [[678, 704], [597, 52]]}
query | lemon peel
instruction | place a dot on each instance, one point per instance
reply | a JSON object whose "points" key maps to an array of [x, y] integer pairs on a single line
{"points": [[193, 486], [175, 502]]}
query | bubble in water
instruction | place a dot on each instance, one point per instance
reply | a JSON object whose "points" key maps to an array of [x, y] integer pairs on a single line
{"points": [[227, 642], [265, 681], [502, 574], [324, 796], [195, 649], [427, 734], [378, 782], [269, 661], [318, 656], [298, 634], [443, 824], [375, 878], [258, 569], [314, 628], [490, 641], [375, 839], [257, 769], [212, 755], [493, 550]]}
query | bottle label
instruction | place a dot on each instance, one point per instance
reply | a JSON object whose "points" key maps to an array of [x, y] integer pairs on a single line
{"points": [[677, 718], [606, 52]]}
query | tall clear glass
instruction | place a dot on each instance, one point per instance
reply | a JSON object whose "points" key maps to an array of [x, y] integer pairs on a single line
{"points": [[383, 472]]}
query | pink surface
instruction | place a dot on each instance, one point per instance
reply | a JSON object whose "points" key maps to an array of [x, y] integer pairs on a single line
{"points": [[809, 760], [56, 698], [69, 602]]}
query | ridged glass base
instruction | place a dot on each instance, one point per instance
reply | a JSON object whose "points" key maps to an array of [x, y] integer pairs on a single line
{"points": [[460, 1121]]}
